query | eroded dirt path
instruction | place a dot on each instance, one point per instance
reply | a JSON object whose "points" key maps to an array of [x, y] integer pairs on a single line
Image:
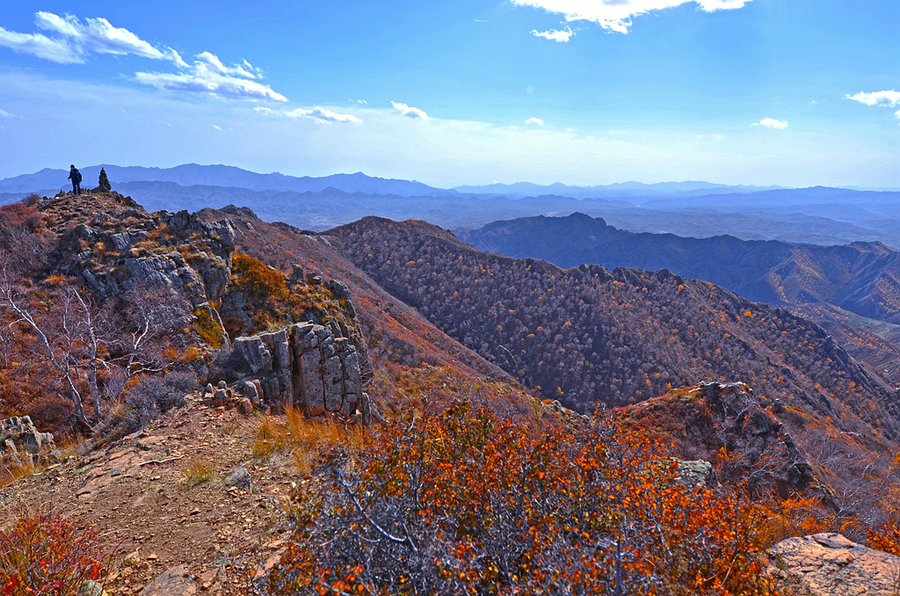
{"points": [[152, 518]]}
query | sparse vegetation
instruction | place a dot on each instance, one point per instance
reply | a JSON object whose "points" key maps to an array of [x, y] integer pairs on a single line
{"points": [[197, 471], [301, 437], [48, 554]]}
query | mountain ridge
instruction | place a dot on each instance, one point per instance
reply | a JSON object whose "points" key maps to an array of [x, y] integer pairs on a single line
{"points": [[862, 277]]}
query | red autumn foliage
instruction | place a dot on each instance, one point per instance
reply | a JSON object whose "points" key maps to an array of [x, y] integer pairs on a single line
{"points": [[48, 555], [461, 501]]}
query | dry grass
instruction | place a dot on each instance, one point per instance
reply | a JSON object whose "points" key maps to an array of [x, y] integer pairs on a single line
{"points": [[197, 471], [12, 470], [301, 437]]}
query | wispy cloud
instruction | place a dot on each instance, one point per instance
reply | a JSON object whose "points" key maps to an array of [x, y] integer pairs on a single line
{"points": [[71, 41], [616, 15], [208, 75], [771, 123], [410, 112], [554, 34], [318, 114], [98, 35], [884, 99], [37, 44], [537, 121], [5, 114]]}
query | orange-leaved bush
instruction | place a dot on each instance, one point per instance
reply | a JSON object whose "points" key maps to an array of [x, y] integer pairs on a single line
{"points": [[887, 537], [48, 554], [460, 501]]}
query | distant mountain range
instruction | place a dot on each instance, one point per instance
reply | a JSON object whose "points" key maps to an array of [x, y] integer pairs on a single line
{"points": [[218, 175], [853, 290], [815, 215], [861, 277], [625, 189]]}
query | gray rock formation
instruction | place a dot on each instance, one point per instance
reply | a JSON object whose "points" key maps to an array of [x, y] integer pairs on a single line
{"points": [[18, 435], [696, 472], [306, 366]]}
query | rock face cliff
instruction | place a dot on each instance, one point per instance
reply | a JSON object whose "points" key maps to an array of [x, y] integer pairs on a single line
{"points": [[18, 435], [224, 302], [726, 421], [307, 366]]}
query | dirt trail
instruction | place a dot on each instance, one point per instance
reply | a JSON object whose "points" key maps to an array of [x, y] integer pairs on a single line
{"points": [[152, 518]]}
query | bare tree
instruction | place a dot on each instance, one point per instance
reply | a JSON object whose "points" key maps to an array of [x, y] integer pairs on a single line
{"points": [[93, 349], [57, 344]]}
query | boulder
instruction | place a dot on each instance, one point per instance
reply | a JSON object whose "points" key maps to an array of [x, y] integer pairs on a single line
{"points": [[239, 478], [697, 472]]}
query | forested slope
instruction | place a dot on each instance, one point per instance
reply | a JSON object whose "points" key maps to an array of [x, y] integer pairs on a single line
{"points": [[589, 336]]}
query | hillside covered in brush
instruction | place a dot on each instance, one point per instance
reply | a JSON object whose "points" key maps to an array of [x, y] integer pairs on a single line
{"points": [[113, 317], [588, 336]]}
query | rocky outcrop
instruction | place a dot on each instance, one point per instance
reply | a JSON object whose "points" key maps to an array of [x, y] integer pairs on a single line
{"points": [[306, 366], [832, 565], [709, 417], [695, 472], [19, 435], [219, 233]]}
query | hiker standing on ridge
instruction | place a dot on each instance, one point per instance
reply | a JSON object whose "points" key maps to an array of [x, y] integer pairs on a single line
{"points": [[75, 177]]}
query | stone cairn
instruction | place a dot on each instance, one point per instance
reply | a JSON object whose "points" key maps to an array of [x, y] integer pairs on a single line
{"points": [[104, 185], [305, 366]]}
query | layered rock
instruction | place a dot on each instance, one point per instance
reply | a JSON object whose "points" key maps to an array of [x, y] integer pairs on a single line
{"points": [[19, 436], [306, 366], [832, 565]]}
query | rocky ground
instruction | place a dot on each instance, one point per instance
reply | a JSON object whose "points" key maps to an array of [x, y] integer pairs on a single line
{"points": [[832, 565], [158, 519]]}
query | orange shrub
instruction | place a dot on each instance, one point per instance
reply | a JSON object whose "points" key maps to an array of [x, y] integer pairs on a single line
{"points": [[887, 537], [48, 554], [463, 502]]}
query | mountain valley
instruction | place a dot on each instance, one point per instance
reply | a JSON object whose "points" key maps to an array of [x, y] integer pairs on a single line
{"points": [[430, 320]]}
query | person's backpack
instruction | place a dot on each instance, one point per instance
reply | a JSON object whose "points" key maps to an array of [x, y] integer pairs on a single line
{"points": [[77, 176]]}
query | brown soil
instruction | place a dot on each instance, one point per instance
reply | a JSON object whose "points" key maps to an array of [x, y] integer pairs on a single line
{"points": [[151, 517]]}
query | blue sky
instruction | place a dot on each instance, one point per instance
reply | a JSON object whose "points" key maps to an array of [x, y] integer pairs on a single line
{"points": [[789, 92]]}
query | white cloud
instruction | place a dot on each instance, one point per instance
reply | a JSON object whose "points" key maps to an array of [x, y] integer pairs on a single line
{"points": [[554, 34], [97, 35], [36, 44], [888, 99], [771, 123], [317, 114], [615, 15], [537, 121], [410, 112], [73, 41], [5, 114], [207, 75]]}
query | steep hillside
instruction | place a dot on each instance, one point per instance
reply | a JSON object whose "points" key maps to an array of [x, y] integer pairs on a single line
{"points": [[587, 336], [128, 297], [863, 278]]}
